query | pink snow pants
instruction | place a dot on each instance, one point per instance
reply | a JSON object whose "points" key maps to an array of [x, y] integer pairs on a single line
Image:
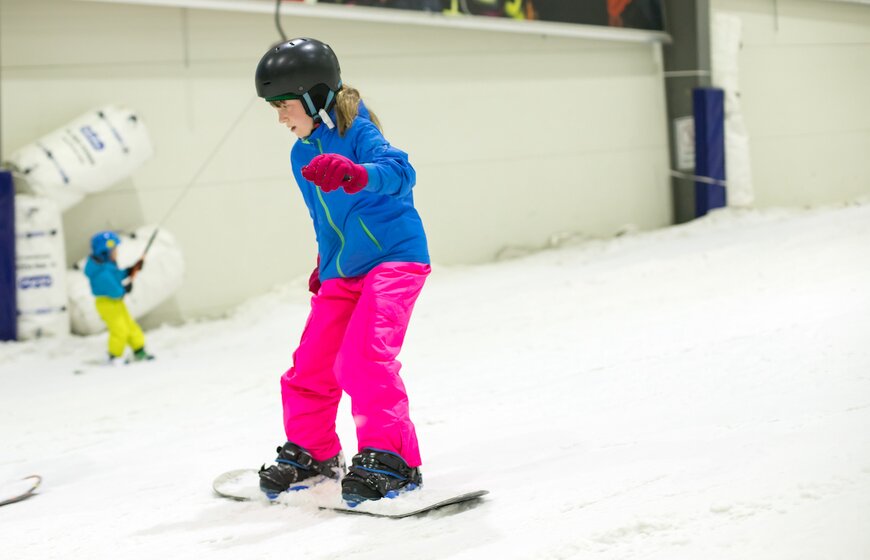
{"points": [[350, 343]]}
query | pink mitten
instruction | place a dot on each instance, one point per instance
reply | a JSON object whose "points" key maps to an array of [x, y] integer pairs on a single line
{"points": [[331, 171]]}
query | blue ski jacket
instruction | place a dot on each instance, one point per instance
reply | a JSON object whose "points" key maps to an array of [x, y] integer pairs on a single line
{"points": [[357, 232], [105, 278]]}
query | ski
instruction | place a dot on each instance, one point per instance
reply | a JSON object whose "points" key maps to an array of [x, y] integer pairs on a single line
{"points": [[103, 364]]}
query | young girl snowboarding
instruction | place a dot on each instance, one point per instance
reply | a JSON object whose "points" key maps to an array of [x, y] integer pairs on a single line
{"points": [[109, 289], [372, 262]]}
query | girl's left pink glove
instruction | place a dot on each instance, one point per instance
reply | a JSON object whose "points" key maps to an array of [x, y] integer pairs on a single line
{"points": [[331, 171]]}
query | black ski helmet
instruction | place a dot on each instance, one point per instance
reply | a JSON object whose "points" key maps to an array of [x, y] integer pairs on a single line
{"points": [[302, 68]]}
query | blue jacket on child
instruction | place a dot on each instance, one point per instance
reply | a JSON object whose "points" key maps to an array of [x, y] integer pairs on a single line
{"points": [[379, 224], [106, 277]]}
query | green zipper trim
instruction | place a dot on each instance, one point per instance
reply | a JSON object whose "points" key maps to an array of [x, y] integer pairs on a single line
{"points": [[371, 236], [331, 223]]}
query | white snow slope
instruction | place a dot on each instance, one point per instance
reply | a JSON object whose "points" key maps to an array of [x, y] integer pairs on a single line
{"points": [[698, 392]]}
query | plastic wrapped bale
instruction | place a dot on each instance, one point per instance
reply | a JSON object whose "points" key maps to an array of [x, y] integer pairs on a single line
{"points": [[88, 155], [40, 268], [159, 279]]}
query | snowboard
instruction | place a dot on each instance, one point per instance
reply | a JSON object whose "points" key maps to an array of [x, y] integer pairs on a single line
{"points": [[17, 490], [244, 485]]}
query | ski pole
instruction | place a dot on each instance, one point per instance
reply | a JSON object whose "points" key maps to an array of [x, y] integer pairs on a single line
{"points": [[150, 241]]}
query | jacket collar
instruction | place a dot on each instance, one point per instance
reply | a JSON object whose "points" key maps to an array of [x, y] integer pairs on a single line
{"points": [[320, 130]]}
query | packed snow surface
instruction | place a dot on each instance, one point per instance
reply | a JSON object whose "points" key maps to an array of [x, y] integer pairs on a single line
{"points": [[697, 392]]}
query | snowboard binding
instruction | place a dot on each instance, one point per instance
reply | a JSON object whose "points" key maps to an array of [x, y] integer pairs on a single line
{"points": [[376, 474], [295, 469]]}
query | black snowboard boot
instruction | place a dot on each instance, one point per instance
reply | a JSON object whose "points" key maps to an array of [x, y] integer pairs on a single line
{"points": [[296, 469], [377, 474]]}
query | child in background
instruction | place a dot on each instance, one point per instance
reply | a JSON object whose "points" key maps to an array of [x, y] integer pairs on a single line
{"points": [[372, 262], [108, 287]]}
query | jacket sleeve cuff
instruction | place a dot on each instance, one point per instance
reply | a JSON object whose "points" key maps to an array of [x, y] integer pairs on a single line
{"points": [[374, 183]]}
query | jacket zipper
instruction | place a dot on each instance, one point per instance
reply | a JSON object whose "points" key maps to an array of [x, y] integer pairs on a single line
{"points": [[329, 219]]}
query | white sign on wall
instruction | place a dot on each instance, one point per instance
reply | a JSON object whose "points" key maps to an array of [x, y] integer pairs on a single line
{"points": [[684, 136]]}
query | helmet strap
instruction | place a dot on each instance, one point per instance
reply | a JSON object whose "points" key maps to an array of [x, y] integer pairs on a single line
{"points": [[324, 116], [307, 99], [319, 115]]}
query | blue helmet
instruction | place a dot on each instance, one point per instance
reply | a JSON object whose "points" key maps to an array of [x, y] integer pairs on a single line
{"points": [[103, 242]]}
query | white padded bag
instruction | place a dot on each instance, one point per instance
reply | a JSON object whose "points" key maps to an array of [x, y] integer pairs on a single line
{"points": [[87, 155], [40, 268], [160, 278], [726, 42]]}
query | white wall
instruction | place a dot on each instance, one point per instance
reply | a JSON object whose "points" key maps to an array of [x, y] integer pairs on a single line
{"points": [[805, 81], [514, 137]]}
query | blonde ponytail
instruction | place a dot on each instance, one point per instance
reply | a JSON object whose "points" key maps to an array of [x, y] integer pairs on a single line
{"points": [[347, 108]]}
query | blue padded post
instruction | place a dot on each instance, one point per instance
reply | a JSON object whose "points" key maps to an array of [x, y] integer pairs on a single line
{"points": [[708, 106], [8, 305]]}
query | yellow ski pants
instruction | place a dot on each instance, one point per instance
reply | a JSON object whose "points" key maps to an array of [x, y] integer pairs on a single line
{"points": [[123, 329]]}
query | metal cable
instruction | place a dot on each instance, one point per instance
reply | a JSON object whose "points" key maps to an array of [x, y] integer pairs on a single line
{"points": [[278, 20]]}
